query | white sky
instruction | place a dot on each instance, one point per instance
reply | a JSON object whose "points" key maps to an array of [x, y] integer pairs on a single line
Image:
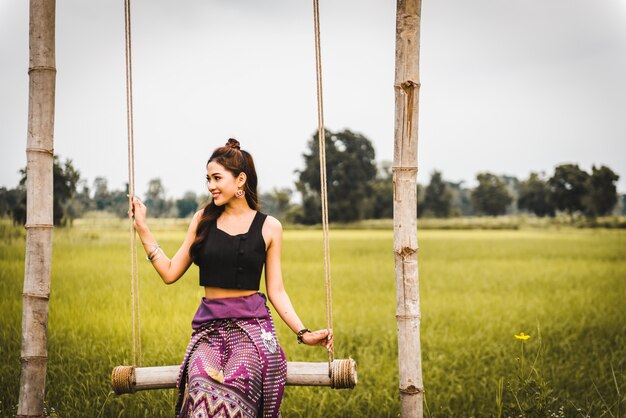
{"points": [[508, 86]]}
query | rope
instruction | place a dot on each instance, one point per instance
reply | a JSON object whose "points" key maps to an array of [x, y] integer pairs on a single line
{"points": [[134, 274], [343, 374], [122, 379], [323, 185]]}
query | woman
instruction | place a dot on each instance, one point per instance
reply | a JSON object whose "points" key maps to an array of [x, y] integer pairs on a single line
{"points": [[233, 366]]}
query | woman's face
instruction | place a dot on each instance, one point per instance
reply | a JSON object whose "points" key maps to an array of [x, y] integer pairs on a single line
{"points": [[222, 184]]}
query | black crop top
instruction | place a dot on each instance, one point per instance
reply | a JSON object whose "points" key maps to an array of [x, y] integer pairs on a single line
{"points": [[233, 261]]}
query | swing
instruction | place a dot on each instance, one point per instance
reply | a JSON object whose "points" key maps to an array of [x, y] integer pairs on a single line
{"points": [[336, 373]]}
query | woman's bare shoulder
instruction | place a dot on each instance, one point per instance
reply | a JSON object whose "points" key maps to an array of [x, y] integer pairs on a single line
{"points": [[273, 225], [195, 219]]}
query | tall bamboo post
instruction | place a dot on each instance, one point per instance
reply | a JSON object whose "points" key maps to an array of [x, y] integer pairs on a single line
{"points": [[407, 87], [39, 155]]}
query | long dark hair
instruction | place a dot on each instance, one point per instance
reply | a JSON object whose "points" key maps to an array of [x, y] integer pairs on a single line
{"points": [[237, 161]]}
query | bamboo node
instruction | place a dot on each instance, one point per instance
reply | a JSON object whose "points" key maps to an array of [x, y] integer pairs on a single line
{"points": [[408, 317], [43, 296], [42, 68], [343, 374], [44, 226], [123, 380], [406, 251], [41, 150], [411, 390], [410, 85]]}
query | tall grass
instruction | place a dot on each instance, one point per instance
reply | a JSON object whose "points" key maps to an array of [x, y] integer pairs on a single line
{"points": [[478, 289]]}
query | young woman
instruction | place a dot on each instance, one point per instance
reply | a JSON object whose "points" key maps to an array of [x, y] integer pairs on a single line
{"points": [[233, 366]]}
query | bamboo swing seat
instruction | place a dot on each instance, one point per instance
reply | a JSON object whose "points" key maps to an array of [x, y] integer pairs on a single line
{"points": [[130, 379], [335, 373]]}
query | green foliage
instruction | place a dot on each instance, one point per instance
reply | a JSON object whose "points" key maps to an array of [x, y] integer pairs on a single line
{"points": [[461, 199], [111, 201], [490, 196], [568, 187], [188, 205], [156, 199], [278, 204], [350, 168], [535, 196], [381, 198], [13, 204], [437, 197], [65, 178], [601, 194], [477, 288], [101, 195], [528, 394]]}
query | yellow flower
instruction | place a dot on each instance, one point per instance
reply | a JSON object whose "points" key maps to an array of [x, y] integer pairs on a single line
{"points": [[522, 336]]}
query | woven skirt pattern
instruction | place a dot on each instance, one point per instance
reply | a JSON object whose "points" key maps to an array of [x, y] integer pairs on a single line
{"points": [[230, 368], [224, 376]]}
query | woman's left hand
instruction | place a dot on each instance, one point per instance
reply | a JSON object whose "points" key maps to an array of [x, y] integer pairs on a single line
{"points": [[137, 212], [321, 337]]}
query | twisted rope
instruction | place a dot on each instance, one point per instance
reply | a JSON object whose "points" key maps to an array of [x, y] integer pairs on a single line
{"points": [[122, 379], [134, 274], [321, 133], [343, 374]]}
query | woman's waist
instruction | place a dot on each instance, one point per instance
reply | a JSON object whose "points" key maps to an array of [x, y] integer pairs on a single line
{"points": [[233, 307], [222, 293]]}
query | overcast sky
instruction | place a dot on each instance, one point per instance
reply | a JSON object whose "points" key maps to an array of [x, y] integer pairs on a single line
{"points": [[508, 86]]}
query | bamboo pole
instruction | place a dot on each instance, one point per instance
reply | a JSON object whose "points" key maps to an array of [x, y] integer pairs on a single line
{"points": [[130, 379], [407, 87], [39, 187]]}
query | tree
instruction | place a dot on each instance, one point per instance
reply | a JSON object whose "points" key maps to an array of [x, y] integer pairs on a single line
{"points": [[601, 194], [80, 203], [461, 199], [512, 185], [119, 202], [13, 204], [568, 187], [420, 199], [187, 205], [83, 197], [490, 196], [437, 197], [350, 168], [65, 179], [381, 198], [535, 196], [101, 195], [277, 203], [156, 200]]}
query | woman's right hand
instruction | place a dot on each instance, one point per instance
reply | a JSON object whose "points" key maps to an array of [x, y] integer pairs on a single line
{"points": [[137, 212], [323, 337]]}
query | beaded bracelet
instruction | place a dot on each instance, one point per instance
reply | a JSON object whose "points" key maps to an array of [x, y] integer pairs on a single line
{"points": [[301, 333]]}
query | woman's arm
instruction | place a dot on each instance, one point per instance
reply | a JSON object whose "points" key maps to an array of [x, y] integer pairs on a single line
{"points": [[170, 269], [273, 233]]}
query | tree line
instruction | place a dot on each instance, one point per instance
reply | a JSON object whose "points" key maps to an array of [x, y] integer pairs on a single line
{"points": [[359, 188]]}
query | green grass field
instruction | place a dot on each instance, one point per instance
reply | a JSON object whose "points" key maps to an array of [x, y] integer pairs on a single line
{"points": [[566, 288]]}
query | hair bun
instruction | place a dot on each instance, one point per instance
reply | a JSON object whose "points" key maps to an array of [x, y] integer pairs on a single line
{"points": [[233, 143]]}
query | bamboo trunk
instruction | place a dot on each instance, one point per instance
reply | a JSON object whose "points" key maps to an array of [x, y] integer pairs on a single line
{"points": [[39, 187], [407, 87], [129, 379]]}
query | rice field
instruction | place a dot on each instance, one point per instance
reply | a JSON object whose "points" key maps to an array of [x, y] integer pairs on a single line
{"points": [[566, 288]]}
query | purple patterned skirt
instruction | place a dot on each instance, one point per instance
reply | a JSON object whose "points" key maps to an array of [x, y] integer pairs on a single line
{"points": [[233, 366]]}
